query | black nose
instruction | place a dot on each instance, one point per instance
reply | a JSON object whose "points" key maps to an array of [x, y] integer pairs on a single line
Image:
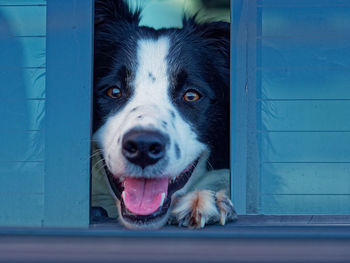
{"points": [[143, 147]]}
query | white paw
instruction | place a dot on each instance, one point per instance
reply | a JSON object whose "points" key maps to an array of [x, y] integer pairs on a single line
{"points": [[196, 209]]}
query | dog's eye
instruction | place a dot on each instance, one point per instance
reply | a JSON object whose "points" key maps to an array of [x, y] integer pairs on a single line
{"points": [[191, 96], [114, 92]]}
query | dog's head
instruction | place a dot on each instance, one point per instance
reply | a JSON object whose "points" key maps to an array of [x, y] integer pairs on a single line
{"points": [[160, 105]]}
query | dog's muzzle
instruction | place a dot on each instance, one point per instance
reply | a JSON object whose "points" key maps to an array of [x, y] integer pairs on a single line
{"points": [[142, 147]]}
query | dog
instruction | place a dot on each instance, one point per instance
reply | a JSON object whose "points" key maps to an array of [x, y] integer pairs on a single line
{"points": [[161, 118]]}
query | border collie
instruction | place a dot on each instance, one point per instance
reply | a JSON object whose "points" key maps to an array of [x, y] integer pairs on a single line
{"points": [[161, 117]]}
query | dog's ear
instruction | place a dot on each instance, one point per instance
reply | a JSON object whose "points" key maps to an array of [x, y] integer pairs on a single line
{"points": [[215, 35], [107, 11]]}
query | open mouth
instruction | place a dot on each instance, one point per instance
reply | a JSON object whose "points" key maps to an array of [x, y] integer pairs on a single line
{"points": [[146, 199]]}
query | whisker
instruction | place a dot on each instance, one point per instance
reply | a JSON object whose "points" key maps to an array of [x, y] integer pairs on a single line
{"points": [[100, 168], [95, 153], [98, 163]]}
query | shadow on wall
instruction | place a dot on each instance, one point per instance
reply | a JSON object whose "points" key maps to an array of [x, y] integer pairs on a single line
{"points": [[13, 108], [15, 134]]}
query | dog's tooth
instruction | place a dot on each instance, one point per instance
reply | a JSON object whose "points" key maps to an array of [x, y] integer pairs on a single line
{"points": [[123, 195], [162, 200]]}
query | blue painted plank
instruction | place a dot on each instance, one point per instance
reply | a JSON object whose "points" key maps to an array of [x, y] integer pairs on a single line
{"points": [[35, 82], [68, 113], [305, 204], [23, 83], [305, 84], [304, 2], [23, 20], [329, 21], [22, 52], [250, 91], [305, 115], [311, 178], [290, 53], [21, 209], [13, 83], [29, 117], [305, 146], [21, 178], [22, 2], [238, 106], [21, 146], [19, 52]]}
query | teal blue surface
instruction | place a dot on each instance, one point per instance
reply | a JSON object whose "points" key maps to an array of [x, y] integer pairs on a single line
{"points": [[19, 17], [309, 83], [305, 147], [68, 113], [22, 112], [305, 53], [305, 115], [306, 21], [23, 2], [238, 107], [290, 112], [45, 112], [303, 125]]}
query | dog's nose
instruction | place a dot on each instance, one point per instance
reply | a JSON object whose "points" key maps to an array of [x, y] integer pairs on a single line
{"points": [[143, 147]]}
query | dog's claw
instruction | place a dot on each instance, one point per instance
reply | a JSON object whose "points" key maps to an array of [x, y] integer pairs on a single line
{"points": [[222, 218], [203, 207], [202, 222]]}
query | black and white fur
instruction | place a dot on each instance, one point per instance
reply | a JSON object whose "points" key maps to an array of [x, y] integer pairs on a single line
{"points": [[154, 69]]}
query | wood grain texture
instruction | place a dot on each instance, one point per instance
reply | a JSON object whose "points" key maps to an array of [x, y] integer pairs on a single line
{"points": [[304, 53], [304, 83], [305, 178], [303, 204], [306, 21], [306, 115], [305, 147]]}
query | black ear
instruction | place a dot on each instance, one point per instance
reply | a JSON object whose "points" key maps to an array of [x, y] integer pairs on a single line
{"points": [[217, 35], [115, 10]]}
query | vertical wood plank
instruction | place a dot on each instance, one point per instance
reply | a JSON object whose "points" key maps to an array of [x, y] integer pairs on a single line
{"points": [[253, 162], [238, 105], [68, 112]]}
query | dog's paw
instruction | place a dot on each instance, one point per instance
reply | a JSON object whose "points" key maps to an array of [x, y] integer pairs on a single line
{"points": [[203, 207]]}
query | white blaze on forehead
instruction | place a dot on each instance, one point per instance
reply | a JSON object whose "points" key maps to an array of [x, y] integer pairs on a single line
{"points": [[151, 80]]}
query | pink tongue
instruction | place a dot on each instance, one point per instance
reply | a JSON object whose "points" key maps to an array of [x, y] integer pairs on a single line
{"points": [[143, 196]]}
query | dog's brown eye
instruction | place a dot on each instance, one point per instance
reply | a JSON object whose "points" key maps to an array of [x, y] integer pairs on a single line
{"points": [[191, 96], [114, 92]]}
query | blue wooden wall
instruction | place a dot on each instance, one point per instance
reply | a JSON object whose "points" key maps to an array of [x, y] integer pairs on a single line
{"points": [[22, 111], [45, 80], [297, 107]]}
